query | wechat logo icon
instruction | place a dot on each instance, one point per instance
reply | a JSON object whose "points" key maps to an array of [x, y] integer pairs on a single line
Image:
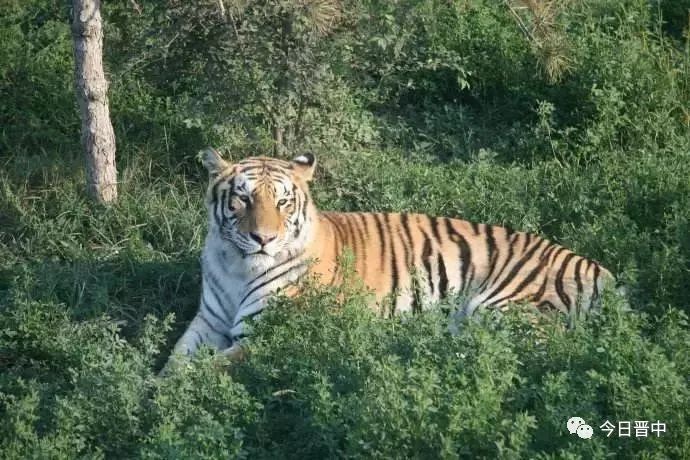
{"points": [[577, 425]]}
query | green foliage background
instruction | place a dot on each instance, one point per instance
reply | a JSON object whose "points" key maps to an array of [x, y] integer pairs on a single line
{"points": [[413, 105]]}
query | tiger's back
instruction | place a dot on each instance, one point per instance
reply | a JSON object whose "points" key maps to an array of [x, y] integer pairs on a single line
{"points": [[423, 259]]}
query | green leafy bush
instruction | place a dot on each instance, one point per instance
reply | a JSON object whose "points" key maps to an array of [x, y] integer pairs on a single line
{"points": [[330, 378]]}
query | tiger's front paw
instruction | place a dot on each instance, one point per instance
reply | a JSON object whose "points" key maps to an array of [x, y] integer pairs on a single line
{"points": [[235, 353]]}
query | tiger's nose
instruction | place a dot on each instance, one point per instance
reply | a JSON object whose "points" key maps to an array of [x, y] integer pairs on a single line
{"points": [[262, 238]]}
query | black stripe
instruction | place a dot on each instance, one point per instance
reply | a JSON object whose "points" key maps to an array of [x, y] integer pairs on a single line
{"points": [[356, 221], [528, 241], [492, 257], [295, 217], [488, 282], [472, 272], [199, 338], [560, 290], [511, 245], [214, 190], [410, 262], [491, 248], [542, 289], [220, 259], [219, 210], [433, 222], [297, 222], [305, 206], [365, 225], [342, 238], [228, 337], [337, 234], [409, 249], [595, 289], [208, 273], [578, 281], [407, 255], [249, 316], [258, 299], [352, 240], [443, 275], [275, 267], [394, 263], [217, 202], [516, 269], [379, 228], [225, 198], [416, 296], [284, 182], [213, 312], [465, 253], [475, 228], [211, 288], [259, 286], [336, 245], [426, 260], [359, 226], [544, 258], [558, 253]]}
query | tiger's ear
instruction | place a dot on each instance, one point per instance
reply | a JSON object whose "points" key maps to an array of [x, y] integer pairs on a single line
{"points": [[304, 166], [213, 162]]}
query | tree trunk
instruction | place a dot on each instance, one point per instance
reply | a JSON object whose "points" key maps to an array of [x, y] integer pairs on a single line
{"points": [[278, 143], [97, 136]]}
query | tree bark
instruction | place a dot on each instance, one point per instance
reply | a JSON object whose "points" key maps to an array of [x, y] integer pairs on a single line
{"points": [[278, 143], [97, 136]]}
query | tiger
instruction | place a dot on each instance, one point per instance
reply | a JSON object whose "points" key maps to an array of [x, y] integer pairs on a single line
{"points": [[265, 234]]}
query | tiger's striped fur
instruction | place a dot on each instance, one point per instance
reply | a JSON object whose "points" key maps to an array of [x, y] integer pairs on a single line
{"points": [[265, 234]]}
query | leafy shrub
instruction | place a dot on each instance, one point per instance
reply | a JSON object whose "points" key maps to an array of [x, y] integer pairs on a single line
{"points": [[36, 79], [326, 376]]}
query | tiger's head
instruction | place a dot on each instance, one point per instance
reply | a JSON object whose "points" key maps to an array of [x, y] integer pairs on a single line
{"points": [[260, 205]]}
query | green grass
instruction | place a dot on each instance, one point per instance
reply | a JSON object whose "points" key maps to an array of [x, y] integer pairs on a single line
{"points": [[92, 298]]}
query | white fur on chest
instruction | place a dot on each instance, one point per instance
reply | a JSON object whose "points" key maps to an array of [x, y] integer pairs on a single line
{"points": [[236, 280]]}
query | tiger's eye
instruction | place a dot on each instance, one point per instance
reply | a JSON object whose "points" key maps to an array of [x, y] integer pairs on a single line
{"points": [[244, 199], [282, 202]]}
